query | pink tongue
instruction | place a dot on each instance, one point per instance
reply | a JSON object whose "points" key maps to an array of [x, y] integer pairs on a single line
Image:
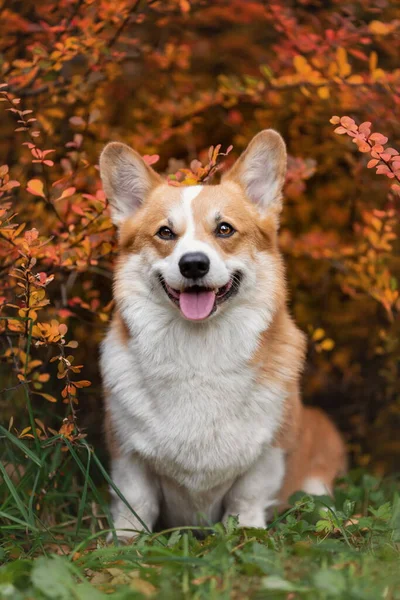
{"points": [[196, 305]]}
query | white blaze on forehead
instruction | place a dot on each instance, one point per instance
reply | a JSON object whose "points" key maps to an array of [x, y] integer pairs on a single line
{"points": [[188, 195], [189, 242]]}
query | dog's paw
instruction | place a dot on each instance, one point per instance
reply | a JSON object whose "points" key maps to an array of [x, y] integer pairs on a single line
{"points": [[127, 531], [251, 518], [123, 537]]}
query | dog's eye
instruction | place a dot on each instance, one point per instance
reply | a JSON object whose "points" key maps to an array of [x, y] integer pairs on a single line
{"points": [[224, 230], [165, 233]]}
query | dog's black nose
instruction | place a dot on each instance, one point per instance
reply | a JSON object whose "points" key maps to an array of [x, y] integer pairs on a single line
{"points": [[194, 264]]}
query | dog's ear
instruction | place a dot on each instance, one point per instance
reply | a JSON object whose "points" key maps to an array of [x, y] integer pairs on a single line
{"points": [[261, 170], [127, 180]]}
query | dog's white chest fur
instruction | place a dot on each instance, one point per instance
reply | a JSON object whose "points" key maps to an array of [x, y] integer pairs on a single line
{"points": [[187, 400]]}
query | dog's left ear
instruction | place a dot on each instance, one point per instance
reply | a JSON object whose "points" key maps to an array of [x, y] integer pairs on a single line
{"points": [[261, 170]]}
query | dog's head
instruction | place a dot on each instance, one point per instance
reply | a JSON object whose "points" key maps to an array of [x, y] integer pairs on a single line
{"points": [[199, 250]]}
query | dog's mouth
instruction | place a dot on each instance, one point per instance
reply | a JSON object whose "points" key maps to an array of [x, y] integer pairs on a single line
{"points": [[196, 302]]}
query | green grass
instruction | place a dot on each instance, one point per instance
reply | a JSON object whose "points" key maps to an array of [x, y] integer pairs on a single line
{"points": [[54, 518]]}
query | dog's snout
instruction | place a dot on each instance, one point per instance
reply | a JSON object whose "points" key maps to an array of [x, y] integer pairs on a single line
{"points": [[194, 265]]}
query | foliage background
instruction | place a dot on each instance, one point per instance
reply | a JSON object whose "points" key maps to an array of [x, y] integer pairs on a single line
{"points": [[172, 78]]}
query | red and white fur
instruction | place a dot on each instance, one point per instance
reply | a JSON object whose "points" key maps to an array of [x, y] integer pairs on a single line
{"points": [[201, 369]]}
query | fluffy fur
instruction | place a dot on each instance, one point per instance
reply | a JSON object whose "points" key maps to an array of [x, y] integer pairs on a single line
{"points": [[204, 418]]}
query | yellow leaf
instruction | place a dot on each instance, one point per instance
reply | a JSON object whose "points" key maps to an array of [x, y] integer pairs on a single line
{"points": [[327, 344], [305, 91], [318, 334], [301, 65], [373, 61], [24, 431], [356, 79], [35, 187], [379, 28], [332, 69], [343, 65], [189, 181], [378, 74], [323, 92]]}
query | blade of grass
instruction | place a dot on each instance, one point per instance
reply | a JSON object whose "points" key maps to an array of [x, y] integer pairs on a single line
{"points": [[283, 516], [84, 495], [117, 491], [17, 442], [33, 493], [338, 524], [4, 515], [14, 493], [185, 575], [89, 539], [92, 486]]}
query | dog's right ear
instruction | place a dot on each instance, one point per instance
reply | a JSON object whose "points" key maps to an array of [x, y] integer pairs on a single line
{"points": [[127, 180]]}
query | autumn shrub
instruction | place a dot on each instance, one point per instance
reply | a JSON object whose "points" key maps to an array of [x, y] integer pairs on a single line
{"points": [[171, 79]]}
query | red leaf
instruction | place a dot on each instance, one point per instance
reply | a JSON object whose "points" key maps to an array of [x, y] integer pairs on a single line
{"points": [[77, 210], [150, 159], [378, 138], [382, 170], [365, 127], [68, 192], [10, 184]]}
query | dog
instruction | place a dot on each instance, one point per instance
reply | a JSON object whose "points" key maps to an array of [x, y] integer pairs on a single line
{"points": [[201, 363]]}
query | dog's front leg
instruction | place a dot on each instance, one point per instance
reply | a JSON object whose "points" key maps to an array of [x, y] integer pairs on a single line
{"points": [[140, 488], [256, 490]]}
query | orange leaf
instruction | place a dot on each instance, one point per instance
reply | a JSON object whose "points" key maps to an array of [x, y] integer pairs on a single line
{"points": [[372, 163], [82, 383], [46, 396]]}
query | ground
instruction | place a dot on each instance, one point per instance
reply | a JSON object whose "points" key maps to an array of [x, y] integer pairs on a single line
{"points": [[315, 550]]}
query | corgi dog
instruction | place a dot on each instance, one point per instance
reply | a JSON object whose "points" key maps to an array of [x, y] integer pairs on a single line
{"points": [[202, 360]]}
